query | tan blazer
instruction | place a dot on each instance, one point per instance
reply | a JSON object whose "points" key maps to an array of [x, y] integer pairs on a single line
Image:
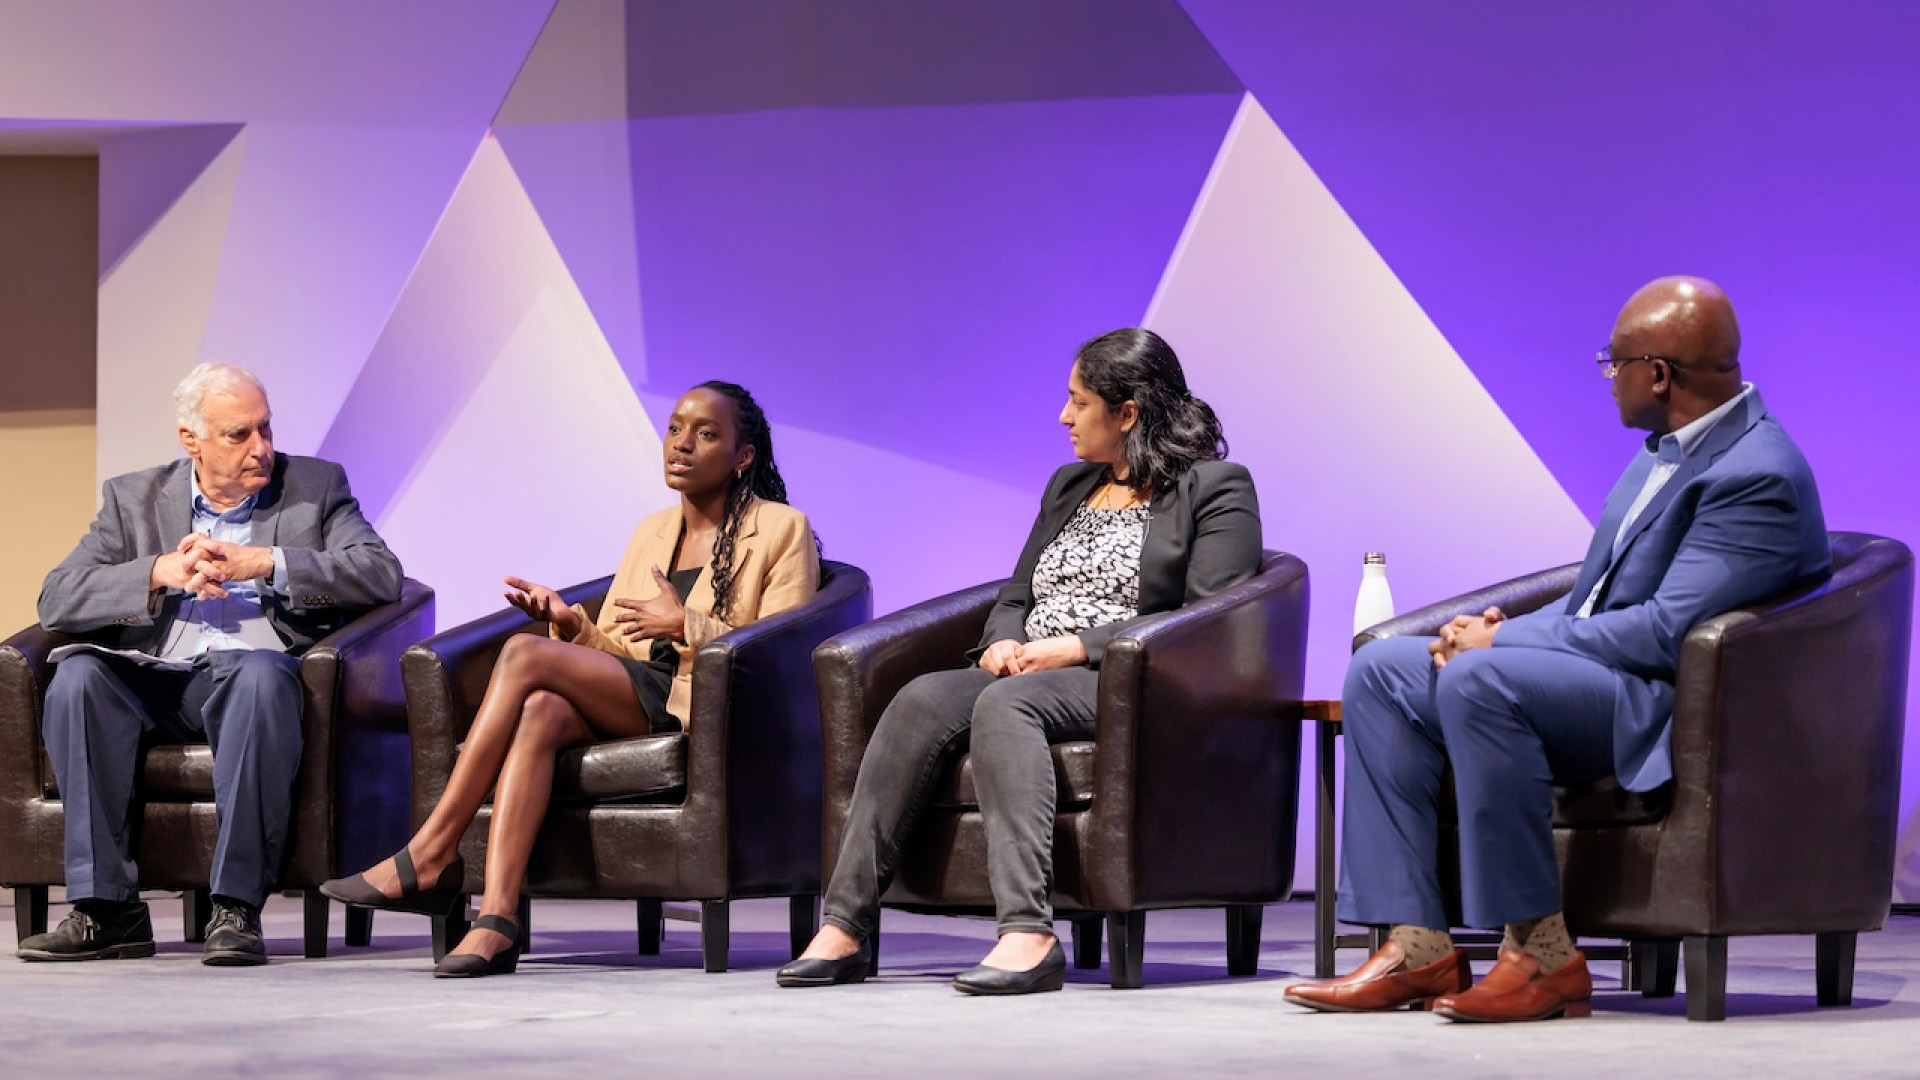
{"points": [[775, 567]]}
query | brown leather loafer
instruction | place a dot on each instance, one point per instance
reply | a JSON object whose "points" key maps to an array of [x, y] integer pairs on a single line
{"points": [[1516, 989], [1384, 983]]}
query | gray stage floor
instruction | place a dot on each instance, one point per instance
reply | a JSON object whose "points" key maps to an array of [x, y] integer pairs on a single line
{"points": [[585, 1005]]}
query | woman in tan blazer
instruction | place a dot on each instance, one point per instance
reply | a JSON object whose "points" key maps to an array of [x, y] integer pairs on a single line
{"points": [[729, 552]]}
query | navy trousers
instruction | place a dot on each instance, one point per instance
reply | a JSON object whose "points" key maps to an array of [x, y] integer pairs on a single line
{"points": [[1513, 722], [245, 704]]}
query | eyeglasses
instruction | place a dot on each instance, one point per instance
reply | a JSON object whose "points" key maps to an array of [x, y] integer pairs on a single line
{"points": [[1610, 365]]}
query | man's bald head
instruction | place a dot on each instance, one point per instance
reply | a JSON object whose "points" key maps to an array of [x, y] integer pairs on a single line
{"points": [[1685, 331]]}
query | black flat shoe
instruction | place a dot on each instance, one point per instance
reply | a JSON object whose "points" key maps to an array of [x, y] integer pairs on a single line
{"points": [[817, 972], [1049, 974], [437, 900], [462, 965]]}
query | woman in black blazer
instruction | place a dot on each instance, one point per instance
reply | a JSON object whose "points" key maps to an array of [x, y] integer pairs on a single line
{"points": [[1150, 519]]}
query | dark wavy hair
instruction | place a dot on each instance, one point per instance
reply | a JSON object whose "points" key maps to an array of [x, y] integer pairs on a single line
{"points": [[761, 479], [1175, 429]]}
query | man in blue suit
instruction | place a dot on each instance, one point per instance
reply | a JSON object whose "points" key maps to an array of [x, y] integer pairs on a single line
{"points": [[1718, 510]]}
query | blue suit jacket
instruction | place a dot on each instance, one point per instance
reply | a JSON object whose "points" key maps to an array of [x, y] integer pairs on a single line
{"points": [[1738, 522]]}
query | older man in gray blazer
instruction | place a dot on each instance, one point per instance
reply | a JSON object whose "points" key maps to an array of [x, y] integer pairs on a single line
{"points": [[193, 592]]}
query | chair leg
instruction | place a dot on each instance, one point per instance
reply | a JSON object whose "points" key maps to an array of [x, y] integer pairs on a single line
{"points": [[1126, 948], [1706, 976], [1654, 967], [873, 952], [1377, 938], [1324, 871], [649, 921], [196, 911], [448, 929], [714, 923], [1086, 931], [803, 918], [359, 926], [1833, 967], [314, 924], [1243, 939], [29, 911], [524, 916]]}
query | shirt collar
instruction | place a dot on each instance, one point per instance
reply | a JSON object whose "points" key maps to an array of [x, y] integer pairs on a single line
{"points": [[202, 507], [1675, 445]]}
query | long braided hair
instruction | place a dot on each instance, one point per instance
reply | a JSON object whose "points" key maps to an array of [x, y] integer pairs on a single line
{"points": [[760, 479]]}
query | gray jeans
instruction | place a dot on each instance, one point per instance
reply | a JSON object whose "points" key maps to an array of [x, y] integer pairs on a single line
{"points": [[1009, 722]]}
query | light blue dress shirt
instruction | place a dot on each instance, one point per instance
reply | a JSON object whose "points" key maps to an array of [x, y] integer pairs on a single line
{"points": [[237, 620]]}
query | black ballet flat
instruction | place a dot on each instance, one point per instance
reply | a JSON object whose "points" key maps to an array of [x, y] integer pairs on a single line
{"points": [[817, 972], [1049, 974], [436, 900], [462, 965]]}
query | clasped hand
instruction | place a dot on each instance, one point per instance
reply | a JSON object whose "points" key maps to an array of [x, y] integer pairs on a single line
{"points": [[1465, 632], [1010, 657], [203, 566]]}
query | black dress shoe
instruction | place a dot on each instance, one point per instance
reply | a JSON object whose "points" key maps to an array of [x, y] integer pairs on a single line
{"points": [[463, 965], [95, 930], [1049, 974], [813, 971], [233, 936], [437, 899]]}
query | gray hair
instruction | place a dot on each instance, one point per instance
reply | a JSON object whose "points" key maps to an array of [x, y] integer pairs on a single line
{"points": [[191, 394]]}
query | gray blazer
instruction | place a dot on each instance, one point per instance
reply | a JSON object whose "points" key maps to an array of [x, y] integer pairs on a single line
{"points": [[1203, 537], [337, 565]]}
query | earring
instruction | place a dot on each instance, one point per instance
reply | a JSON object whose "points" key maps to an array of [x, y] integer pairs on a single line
{"points": [[740, 473]]}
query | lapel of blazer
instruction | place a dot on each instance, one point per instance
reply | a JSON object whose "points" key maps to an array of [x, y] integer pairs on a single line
{"points": [[1715, 442], [1157, 550], [266, 511], [1600, 550]]}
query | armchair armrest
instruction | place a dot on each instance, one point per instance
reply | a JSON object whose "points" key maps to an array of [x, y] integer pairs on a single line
{"points": [[1197, 743], [858, 672], [24, 672], [1516, 596], [753, 734], [357, 667], [445, 677]]}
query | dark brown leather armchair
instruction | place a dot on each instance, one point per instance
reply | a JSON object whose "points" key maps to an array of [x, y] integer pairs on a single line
{"points": [[1186, 797], [1782, 812], [350, 798], [727, 810]]}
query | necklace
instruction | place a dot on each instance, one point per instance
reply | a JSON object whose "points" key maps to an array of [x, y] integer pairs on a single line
{"points": [[1104, 500]]}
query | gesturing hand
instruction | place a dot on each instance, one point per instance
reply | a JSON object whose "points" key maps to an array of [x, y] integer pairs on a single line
{"points": [[659, 616], [1463, 633], [540, 602], [1002, 658], [1055, 652]]}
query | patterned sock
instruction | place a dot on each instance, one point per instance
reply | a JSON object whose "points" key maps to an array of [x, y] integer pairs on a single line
{"points": [[1423, 946], [1545, 939]]}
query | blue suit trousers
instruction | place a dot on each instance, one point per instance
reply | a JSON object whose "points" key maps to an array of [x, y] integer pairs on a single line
{"points": [[99, 712], [1513, 723]]}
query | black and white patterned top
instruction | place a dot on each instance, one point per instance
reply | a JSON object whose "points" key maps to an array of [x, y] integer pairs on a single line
{"points": [[1090, 574]]}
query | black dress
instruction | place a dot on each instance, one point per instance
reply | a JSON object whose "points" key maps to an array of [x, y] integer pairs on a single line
{"points": [[653, 677]]}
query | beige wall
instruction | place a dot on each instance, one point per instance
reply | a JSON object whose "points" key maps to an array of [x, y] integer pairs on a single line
{"points": [[49, 273]]}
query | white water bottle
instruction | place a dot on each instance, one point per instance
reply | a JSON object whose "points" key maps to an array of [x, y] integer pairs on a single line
{"points": [[1374, 605]]}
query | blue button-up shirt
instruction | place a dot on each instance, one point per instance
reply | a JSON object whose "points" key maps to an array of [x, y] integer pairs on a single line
{"points": [[237, 620]]}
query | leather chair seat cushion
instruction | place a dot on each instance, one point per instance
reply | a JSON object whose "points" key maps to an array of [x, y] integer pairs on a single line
{"points": [[644, 769], [1072, 778], [1605, 804], [182, 773]]}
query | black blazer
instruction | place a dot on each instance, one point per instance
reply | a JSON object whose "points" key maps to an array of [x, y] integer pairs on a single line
{"points": [[1203, 537]]}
